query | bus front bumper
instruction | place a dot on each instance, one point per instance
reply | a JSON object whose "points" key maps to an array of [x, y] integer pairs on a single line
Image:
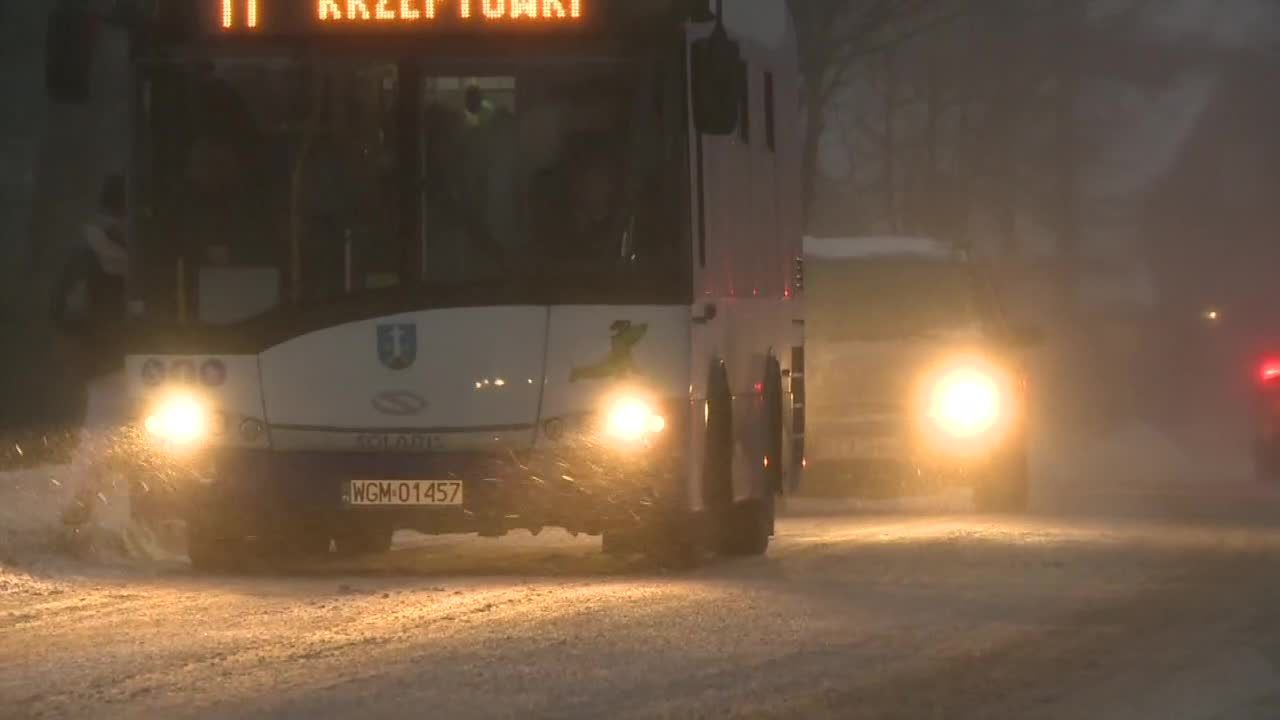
{"points": [[485, 493]]}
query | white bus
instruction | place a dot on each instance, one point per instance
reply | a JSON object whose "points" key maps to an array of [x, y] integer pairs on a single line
{"points": [[465, 267]]}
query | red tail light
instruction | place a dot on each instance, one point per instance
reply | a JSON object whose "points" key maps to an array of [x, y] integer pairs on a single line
{"points": [[1269, 372]]}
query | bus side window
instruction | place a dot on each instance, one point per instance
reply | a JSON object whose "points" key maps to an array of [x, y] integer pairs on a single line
{"points": [[742, 245]]}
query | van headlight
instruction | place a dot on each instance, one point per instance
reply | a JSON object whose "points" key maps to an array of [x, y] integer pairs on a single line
{"points": [[179, 420], [631, 419], [966, 403]]}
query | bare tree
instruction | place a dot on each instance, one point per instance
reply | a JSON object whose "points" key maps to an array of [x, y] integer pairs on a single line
{"points": [[987, 114], [834, 35]]}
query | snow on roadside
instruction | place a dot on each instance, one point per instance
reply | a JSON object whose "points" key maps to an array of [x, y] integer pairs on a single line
{"points": [[80, 509], [31, 505], [73, 509]]}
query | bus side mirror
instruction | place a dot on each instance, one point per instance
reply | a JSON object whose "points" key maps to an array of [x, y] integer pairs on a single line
{"points": [[717, 71], [69, 49]]}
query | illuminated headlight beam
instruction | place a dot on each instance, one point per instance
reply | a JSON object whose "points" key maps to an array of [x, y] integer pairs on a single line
{"points": [[179, 420], [631, 420], [966, 403]]}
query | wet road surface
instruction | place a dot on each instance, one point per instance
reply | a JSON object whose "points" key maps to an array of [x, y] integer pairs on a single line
{"points": [[1158, 602]]}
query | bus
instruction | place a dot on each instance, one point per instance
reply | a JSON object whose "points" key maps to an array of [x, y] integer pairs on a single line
{"points": [[463, 266]]}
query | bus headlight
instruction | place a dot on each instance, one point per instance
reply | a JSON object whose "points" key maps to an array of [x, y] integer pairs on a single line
{"points": [[631, 420], [966, 403], [178, 420]]}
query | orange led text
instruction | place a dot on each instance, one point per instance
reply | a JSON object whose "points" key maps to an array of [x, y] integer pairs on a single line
{"points": [[239, 12], [411, 11]]}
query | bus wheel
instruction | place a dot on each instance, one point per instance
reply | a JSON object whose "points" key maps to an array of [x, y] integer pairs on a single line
{"points": [[750, 523], [717, 468]]}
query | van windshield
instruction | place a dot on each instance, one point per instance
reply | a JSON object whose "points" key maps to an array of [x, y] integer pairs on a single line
{"points": [[303, 183], [891, 299]]}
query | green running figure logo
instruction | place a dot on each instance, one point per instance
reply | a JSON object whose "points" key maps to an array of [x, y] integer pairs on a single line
{"points": [[623, 338]]}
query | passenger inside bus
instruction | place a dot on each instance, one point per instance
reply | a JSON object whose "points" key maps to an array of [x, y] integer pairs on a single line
{"points": [[470, 145]]}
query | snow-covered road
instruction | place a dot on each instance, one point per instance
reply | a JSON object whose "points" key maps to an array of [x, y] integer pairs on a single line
{"points": [[1106, 609]]}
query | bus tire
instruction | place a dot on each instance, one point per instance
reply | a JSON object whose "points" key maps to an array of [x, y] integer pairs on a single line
{"points": [[751, 522], [722, 513]]}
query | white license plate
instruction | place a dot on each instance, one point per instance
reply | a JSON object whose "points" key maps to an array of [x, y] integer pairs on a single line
{"points": [[398, 493]]}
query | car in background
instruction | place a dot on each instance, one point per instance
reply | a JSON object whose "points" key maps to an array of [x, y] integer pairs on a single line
{"points": [[913, 371], [1266, 420]]}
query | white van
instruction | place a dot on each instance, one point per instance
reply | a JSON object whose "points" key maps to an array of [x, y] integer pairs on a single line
{"points": [[911, 368]]}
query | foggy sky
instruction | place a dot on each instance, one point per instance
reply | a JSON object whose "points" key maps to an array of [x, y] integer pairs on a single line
{"points": [[1152, 128]]}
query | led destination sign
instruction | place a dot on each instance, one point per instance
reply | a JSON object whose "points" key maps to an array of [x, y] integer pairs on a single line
{"points": [[412, 11], [292, 16]]}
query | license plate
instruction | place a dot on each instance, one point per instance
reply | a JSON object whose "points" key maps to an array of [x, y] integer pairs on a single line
{"points": [[398, 493]]}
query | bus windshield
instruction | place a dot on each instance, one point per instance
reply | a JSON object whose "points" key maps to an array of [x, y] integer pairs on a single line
{"points": [[300, 183]]}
